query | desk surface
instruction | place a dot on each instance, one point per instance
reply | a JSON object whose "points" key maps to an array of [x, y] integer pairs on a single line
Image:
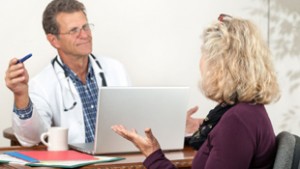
{"points": [[182, 159]]}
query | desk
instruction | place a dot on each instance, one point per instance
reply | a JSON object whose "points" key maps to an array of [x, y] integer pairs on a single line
{"points": [[182, 159]]}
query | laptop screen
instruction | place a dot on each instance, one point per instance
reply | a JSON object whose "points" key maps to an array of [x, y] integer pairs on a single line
{"points": [[163, 109]]}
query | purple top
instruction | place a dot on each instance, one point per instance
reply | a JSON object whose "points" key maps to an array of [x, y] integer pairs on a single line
{"points": [[242, 139]]}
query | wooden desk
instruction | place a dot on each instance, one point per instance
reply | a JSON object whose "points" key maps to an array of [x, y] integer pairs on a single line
{"points": [[182, 159]]}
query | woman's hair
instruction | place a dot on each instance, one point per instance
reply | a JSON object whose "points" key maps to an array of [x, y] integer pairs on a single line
{"points": [[237, 64], [50, 24]]}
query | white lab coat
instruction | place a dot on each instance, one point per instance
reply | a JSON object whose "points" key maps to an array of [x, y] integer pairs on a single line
{"points": [[48, 110]]}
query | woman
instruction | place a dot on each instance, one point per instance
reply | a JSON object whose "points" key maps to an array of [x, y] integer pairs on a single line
{"points": [[238, 74]]}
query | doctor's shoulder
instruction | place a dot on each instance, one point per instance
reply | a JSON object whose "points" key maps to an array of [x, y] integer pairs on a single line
{"points": [[46, 77], [114, 70], [108, 63], [106, 60]]}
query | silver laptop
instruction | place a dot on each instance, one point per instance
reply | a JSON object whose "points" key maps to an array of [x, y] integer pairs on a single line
{"points": [[163, 109]]}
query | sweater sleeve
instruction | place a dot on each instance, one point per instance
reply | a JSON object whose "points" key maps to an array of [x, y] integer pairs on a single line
{"points": [[157, 160]]}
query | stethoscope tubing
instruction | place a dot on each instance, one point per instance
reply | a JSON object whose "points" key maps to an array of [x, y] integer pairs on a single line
{"points": [[67, 77]]}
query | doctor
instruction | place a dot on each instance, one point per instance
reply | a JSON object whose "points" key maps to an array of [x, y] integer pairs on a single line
{"points": [[65, 92]]}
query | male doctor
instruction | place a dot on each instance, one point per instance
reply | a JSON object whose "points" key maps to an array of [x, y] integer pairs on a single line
{"points": [[65, 92]]}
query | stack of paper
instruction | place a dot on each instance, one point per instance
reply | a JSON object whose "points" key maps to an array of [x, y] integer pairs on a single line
{"points": [[62, 159]]}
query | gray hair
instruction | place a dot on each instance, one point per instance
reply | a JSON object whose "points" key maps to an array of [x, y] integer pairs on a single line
{"points": [[55, 7]]}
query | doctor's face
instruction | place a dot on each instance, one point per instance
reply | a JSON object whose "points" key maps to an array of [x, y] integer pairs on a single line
{"points": [[75, 37]]}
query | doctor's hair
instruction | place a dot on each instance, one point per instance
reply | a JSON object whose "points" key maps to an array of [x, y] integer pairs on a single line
{"points": [[55, 7], [237, 64]]}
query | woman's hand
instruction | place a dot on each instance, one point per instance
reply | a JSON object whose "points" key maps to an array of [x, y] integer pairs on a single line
{"points": [[192, 124], [147, 145]]}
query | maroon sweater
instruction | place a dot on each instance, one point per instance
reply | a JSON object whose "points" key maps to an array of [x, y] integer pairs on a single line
{"points": [[242, 139]]}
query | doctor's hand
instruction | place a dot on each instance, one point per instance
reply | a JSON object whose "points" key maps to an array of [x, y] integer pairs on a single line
{"points": [[147, 145], [192, 124], [16, 79]]}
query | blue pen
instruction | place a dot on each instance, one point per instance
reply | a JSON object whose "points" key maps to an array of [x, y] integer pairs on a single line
{"points": [[22, 156], [24, 58]]}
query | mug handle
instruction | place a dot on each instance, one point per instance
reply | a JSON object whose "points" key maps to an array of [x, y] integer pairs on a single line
{"points": [[43, 136]]}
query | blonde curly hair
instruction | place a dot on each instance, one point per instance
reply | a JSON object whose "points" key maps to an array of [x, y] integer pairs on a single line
{"points": [[237, 64]]}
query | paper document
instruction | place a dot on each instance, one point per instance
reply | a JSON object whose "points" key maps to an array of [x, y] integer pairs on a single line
{"points": [[74, 164]]}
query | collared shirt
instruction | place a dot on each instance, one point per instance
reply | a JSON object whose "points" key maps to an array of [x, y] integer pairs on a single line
{"points": [[89, 97], [25, 113]]}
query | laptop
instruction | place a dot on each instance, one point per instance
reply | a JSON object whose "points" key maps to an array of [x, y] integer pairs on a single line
{"points": [[163, 109]]}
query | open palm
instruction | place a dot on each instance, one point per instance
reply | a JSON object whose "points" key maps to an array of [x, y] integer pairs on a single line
{"points": [[146, 144]]}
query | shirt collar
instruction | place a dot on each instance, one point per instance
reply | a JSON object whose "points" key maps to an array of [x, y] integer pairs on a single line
{"points": [[73, 75]]}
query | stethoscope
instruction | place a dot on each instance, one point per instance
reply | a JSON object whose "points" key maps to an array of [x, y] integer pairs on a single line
{"points": [[67, 77]]}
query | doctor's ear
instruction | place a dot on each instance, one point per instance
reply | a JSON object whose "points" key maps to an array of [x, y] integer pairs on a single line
{"points": [[53, 40]]}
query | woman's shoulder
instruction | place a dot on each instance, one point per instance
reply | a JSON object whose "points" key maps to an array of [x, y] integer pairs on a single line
{"points": [[246, 109], [247, 114]]}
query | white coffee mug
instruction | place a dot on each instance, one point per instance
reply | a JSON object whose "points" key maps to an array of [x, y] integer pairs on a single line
{"points": [[57, 139]]}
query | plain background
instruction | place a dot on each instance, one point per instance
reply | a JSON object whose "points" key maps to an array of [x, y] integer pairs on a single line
{"points": [[158, 41]]}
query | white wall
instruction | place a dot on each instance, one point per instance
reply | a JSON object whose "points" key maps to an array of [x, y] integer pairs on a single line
{"points": [[157, 40], [284, 44]]}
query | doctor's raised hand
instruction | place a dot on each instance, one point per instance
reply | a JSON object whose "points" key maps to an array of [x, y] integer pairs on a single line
{"points": [[16, 79]]}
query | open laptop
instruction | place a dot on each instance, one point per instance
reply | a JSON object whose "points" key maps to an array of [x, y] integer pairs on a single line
{"points": [[163, 109]]}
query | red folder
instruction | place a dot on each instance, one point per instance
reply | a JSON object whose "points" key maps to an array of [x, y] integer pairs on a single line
{"points": [[57, 155]]}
